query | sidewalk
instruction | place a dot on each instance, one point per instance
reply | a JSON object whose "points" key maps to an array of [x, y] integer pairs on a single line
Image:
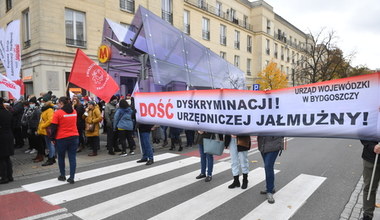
{"points": [[353, 209]]}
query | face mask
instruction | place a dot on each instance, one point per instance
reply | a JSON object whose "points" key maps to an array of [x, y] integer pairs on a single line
{"points": [[114, 102], [32, 105], [129, 101]]}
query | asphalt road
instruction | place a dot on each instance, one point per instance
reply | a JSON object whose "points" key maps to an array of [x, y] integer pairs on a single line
{"points": [[141, 192]]}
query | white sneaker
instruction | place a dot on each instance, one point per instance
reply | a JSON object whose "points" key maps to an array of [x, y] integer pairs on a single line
{"points": [[124, 155], [131, 152], [33, 151], [28, 151], [270, 198]]}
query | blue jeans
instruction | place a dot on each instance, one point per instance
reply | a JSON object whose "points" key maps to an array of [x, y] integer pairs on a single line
{"points": [[50, 146], [146, 146], [206, 158], [269, 159], [238, 159], [70, 145]]}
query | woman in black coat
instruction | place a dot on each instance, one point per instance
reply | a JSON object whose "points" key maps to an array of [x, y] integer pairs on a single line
{"points": [[6, 147]]}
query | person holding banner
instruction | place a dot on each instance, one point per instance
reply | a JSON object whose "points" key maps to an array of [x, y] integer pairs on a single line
{"points": [[239, 146], [370, 149], [206, 159], [269, 146], [92, 117]]}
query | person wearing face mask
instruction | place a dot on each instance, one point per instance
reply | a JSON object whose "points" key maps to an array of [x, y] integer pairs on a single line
{"points": [[47, 110], [109, 114], [32, 117], [92, 117]]}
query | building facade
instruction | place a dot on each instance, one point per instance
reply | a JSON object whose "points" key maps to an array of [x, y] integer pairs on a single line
{"points": [[247, 34]]}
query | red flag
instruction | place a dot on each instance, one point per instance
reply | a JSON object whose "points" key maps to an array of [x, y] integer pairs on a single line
{"points": [[86, 74]]}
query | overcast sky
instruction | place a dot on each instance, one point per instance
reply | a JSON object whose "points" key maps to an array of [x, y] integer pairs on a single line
{"points": [[356, 24]]}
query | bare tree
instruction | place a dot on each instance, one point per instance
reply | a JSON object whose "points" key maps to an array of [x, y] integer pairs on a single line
{"points": [[322, 60]]}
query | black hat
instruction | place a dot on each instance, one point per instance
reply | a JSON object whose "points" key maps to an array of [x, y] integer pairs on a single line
{"points": [[33, 100], [113, 98]]}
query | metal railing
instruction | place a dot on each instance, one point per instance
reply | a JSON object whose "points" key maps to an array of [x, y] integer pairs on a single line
{"points": [[26, 44], [213, 10], [127, 5], [237, 45], [186, 28], [167, 16], [73, 42], [223, 40], [206, 35]]}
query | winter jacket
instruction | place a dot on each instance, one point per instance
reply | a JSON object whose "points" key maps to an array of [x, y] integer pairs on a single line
{"points": [[80, 111], [94, 117], [32, 117], [18, 111], [6, 135], [200, 137], [109, 114], [368, 153], [123, 119], [270, 143], [46, 117]]}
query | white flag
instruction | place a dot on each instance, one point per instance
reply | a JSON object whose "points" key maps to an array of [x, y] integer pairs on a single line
{"points": [[136, 89], [10, 51], [7, 85]]}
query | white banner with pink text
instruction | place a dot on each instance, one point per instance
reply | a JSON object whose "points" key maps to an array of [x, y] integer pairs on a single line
{"points": [[343, 108], [10, 51], [8, 86]]}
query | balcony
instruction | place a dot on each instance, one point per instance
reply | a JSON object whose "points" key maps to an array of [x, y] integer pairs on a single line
{"points": [[237, 45], [249, 49], [167, 16], [211, 9], [75, 43], [186, 29], [26, 44], [206, 35], [223, 40]]}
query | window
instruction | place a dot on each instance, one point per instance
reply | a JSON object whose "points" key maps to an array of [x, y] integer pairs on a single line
{"points": [[282, 68], [249, 64], [287, 71], [167, 11], [202, 4], [287, 54], [275, 50], [186, 22], [125, 25], [205, 29], [268, 47], [237, 39], [75, 28], [26, 28], [249, 43], [223, 54], [282, 52], [223, 32], [218, 8], [9, 5], [232, 15], [245, 21], [127, 5], [236, 60], [293, 56], [268, 26]]}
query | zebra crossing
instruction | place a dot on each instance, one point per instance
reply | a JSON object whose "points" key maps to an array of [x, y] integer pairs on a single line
{"points": [[288, 199]]}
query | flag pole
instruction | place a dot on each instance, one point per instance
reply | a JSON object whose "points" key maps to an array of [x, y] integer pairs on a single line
{"points": [[373, 175]]}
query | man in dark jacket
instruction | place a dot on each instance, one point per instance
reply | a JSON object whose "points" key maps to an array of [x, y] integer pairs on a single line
{"points": [[370, 149], [18, 111], [6, 147]]}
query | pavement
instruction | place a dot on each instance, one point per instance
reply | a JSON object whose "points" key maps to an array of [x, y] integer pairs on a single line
{"points": [[24, 167]]}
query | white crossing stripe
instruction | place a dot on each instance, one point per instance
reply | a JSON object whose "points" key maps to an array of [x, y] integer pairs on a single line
{"points": [[117, 205], [100, 186], [210, 199], [33, 187], [288, 200]]}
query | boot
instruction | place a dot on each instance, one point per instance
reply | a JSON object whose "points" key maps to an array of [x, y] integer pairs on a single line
{"points": [[245, 181], [180, 146], [235, 183], [40, 157], [48, 162]]}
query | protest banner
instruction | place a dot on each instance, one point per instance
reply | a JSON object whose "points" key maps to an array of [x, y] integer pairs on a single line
{"points": [[86, 74], [10, 51], [9, 86], [342, 108]]}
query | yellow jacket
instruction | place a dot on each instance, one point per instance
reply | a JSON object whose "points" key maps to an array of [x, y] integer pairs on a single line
{"points": [[94, 117], [46, 117]]}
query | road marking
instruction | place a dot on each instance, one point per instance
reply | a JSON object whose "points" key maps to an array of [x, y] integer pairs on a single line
{"points": [[100, 186], [59, 217], [10, 191], [122, 203], [33, 187], [210, 199], [46, 214], [288, 200]]}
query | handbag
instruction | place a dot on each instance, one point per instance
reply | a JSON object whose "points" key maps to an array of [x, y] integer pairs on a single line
{"points": [[90, 127], [212, 146]]}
